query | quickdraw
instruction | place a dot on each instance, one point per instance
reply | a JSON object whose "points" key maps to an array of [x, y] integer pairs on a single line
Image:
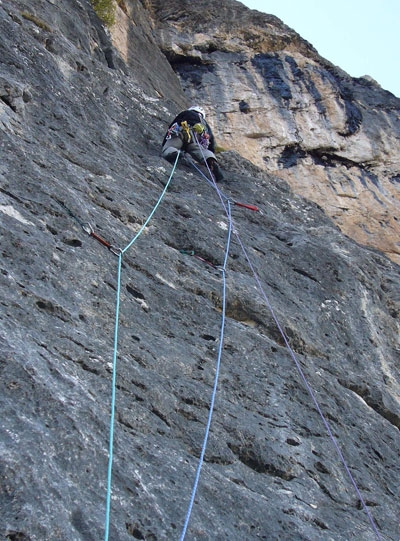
{"points": [[113, 249], [192, 253], [173, 130], [88, 229], [186, 131], [246, 206]]}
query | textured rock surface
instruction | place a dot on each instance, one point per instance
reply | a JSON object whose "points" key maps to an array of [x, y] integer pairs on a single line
{"points": [[333, 138], [81, 124]]}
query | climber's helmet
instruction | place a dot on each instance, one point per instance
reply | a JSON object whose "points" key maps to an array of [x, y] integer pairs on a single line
{"points": [[198, 109]]}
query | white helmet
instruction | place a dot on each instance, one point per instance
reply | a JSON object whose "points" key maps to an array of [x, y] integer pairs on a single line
{"points": [[198, 109]]}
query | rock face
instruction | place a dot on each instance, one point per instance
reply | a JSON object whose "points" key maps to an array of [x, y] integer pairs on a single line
{"points": [[80, 129], [334, 139]]}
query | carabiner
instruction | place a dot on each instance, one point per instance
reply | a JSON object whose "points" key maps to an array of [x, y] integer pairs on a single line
{"points": [[88, 229], [114, 250]]}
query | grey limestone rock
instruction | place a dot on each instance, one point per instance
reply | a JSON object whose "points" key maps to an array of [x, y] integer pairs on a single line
{"points": [[84, 148]]}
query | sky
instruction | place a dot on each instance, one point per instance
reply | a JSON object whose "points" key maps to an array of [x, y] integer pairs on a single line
{"points": [[360, 36]]}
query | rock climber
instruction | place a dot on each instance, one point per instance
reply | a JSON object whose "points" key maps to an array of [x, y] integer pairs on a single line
{"points": [[190, 132]]}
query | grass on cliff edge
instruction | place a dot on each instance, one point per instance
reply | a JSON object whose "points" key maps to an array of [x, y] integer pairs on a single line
{"points": [[105, 10]]}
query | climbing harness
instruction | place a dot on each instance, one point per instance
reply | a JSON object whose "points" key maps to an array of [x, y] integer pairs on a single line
{"points": [[187, 132], [88, 229]]}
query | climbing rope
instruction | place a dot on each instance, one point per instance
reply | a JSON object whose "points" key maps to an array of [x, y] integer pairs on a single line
{"points": [[115, 354], [309, 389], [226, 205], [217, 371], [254, 208]]}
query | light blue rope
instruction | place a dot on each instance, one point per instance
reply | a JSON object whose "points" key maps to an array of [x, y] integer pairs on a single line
{"points": [[115, 356], [155, 206], [217, 370], [113, 393]]}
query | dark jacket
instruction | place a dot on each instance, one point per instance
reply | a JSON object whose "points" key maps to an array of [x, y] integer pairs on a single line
{"points": [[192, 118]]}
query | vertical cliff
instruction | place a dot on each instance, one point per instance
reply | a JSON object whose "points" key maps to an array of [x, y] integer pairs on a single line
{"points": [[82, 115], [334, 138]]}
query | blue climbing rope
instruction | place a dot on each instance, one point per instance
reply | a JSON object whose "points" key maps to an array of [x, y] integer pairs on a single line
{"points": [[225, 202], [310, 391], [217, 371], [115, 355]]}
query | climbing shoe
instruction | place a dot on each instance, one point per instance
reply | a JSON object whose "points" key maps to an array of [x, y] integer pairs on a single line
{"points": [[215, 170], [171, 157]]}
